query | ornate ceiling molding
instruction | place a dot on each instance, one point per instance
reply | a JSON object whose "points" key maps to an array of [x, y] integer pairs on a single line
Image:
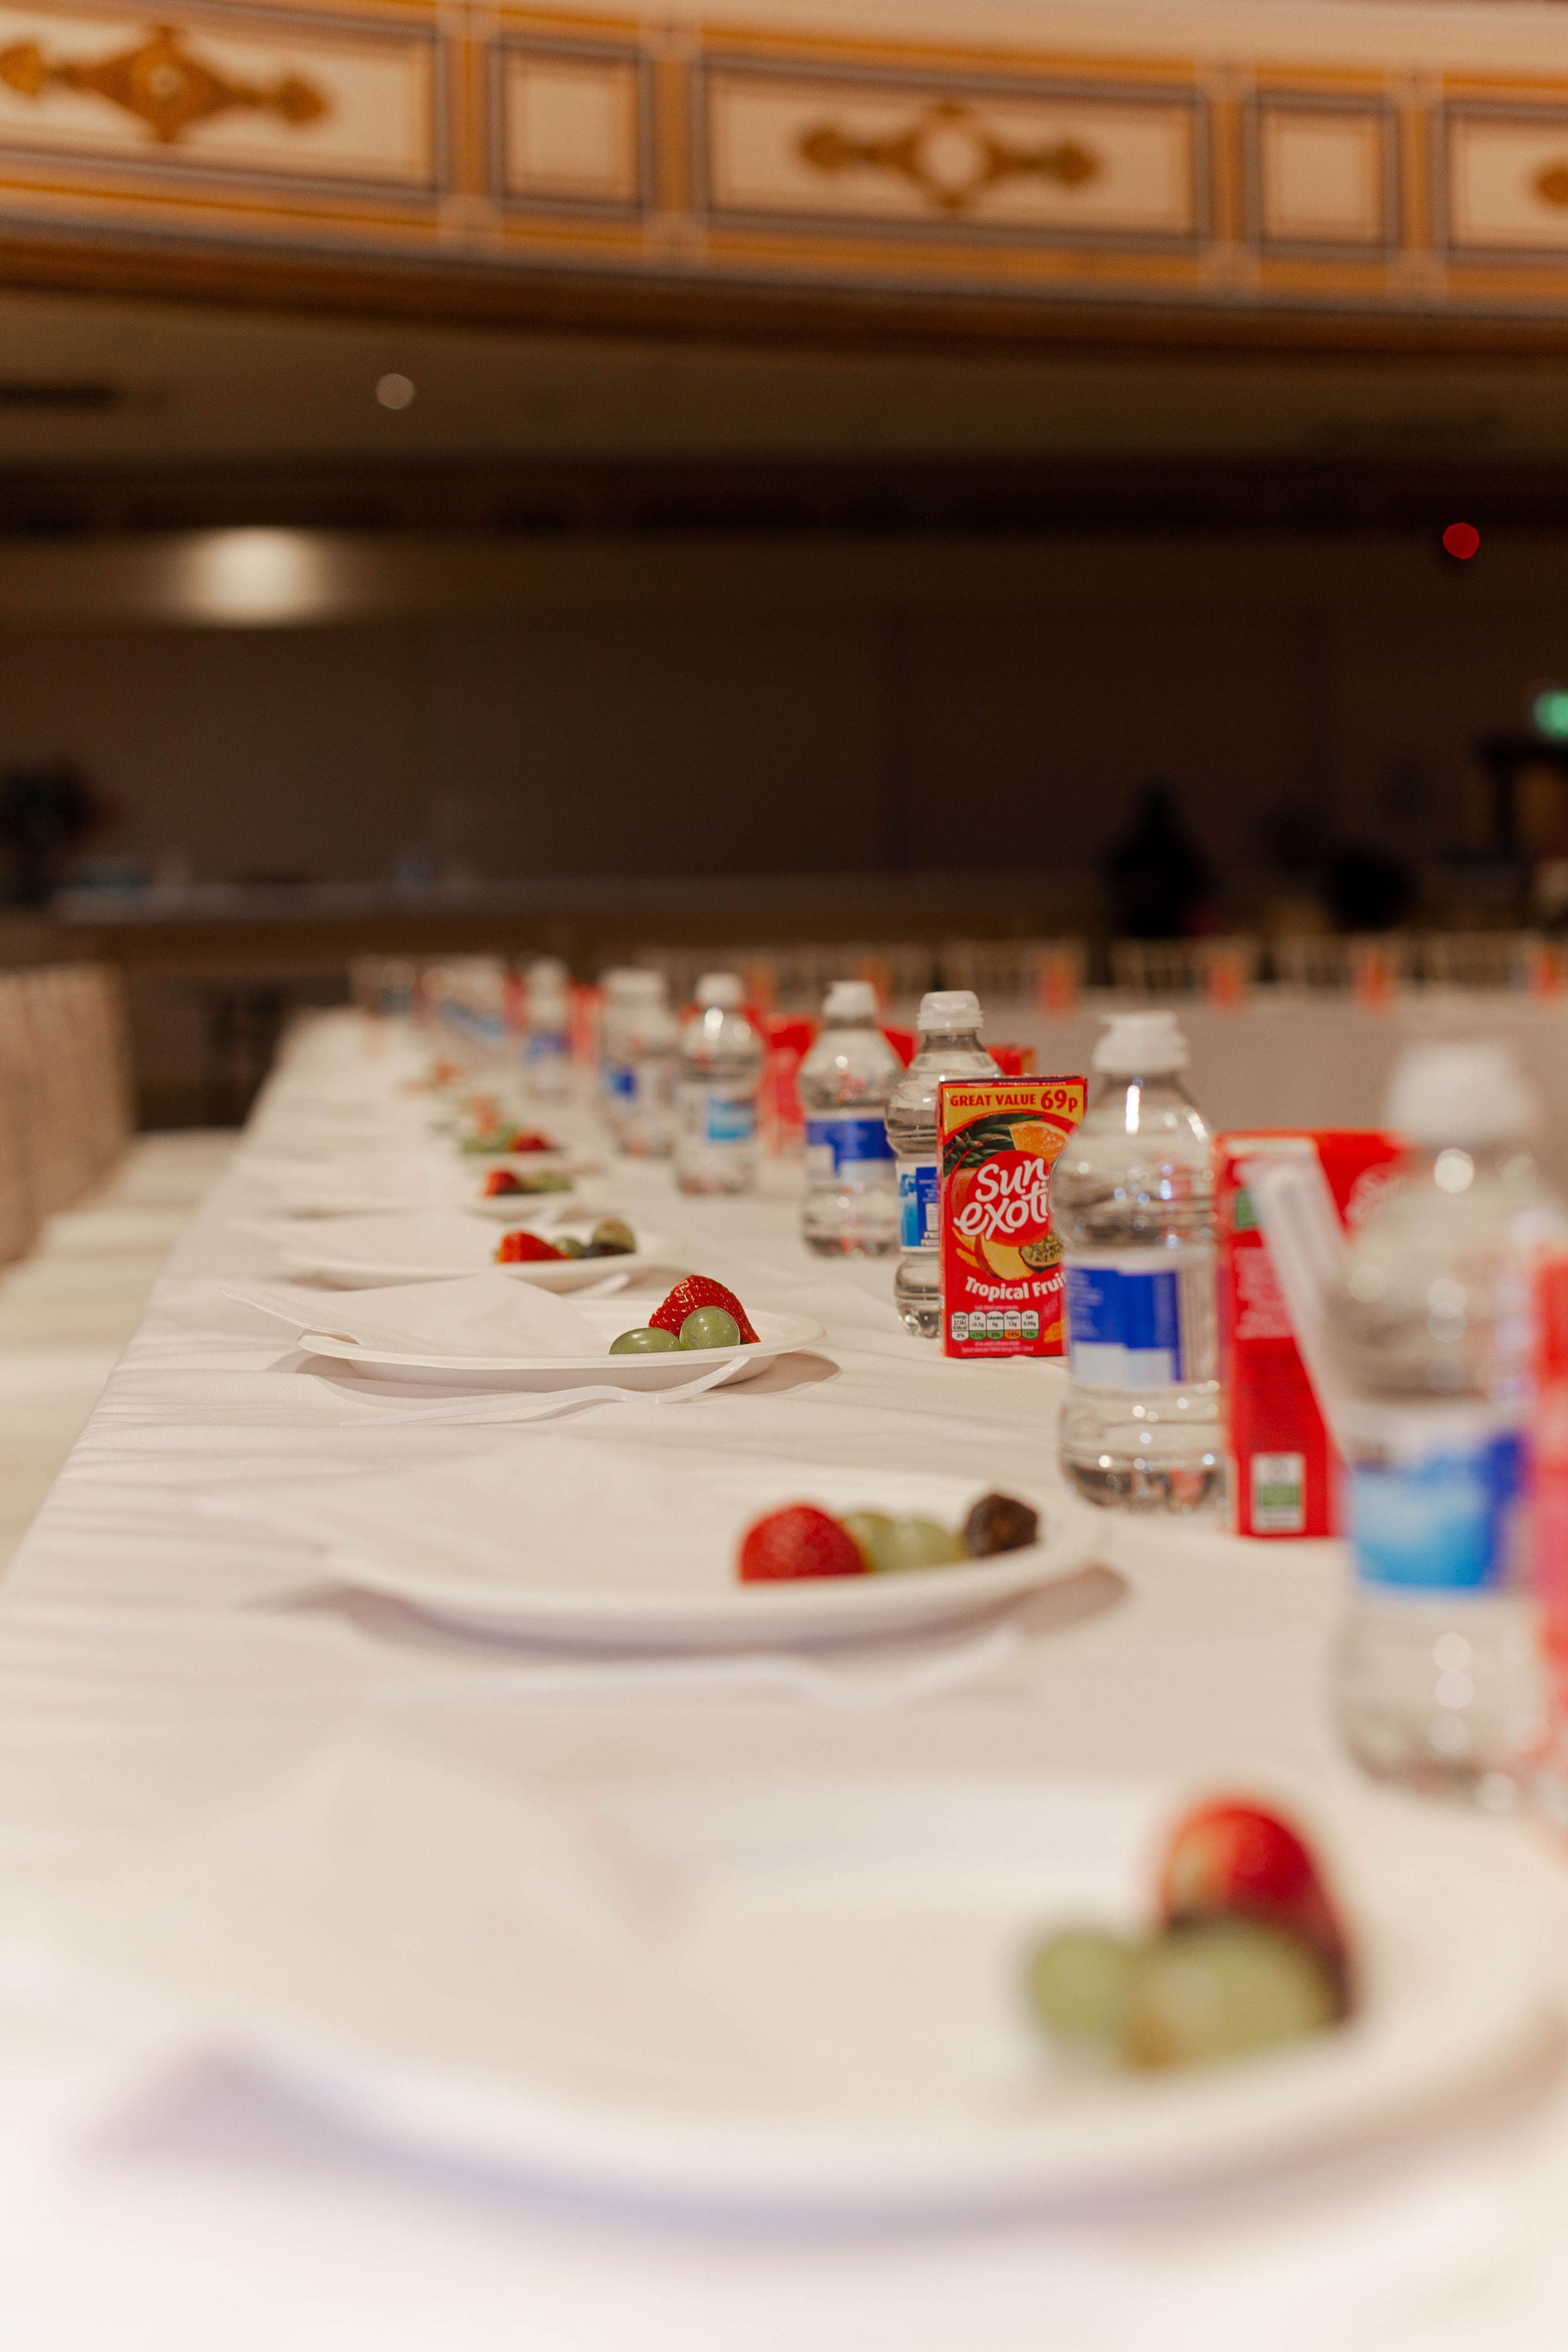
{"points": [[551, 162]]}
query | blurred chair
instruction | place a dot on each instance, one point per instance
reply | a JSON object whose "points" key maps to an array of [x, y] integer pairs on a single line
{"points": [[1481, 959], [1369, 965], [1049, 973], [1216, 968]]}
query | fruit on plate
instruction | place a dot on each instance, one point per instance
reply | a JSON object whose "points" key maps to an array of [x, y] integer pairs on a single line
{"points": [[696, 1291], [1245, 1953], [798, 1542], [1221, 1987], [1231, 1857], [912, 1542], [999, 1523], [526, 1249], [500, 1182], [501, 1138], [709, 1327], [611, 1238], [644, 1341], [886, 1544]]}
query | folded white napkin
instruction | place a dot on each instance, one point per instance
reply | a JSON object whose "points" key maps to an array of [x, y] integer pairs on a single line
{"points": [[443, 1241], [565, 1516], [487, 1316], [387, 1908]]}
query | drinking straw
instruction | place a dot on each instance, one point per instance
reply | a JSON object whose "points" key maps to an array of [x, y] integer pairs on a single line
{"points": [[1307, 1246]]}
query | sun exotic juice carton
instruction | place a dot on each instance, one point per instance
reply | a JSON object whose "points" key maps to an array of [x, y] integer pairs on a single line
{"points": [[1284, 1471], [1002, 1286]]}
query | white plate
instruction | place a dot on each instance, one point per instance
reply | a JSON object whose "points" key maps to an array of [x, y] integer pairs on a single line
{"points": [[671, 1594], [777, 1335], [801, 1996], [441, 1248]]}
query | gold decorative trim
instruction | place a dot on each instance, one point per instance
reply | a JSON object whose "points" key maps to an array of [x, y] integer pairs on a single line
{"points": [[162, 83], [949, 154]]}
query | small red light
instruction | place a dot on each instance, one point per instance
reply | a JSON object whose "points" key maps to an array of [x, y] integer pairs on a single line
{"points": [[1461, 540]]}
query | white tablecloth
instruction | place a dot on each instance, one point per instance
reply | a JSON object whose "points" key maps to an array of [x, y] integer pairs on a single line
{"points": [[150, 1674]]}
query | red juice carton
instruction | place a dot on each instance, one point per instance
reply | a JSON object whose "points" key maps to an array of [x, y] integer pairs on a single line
{"points": [[1284, 1469], [1002, 1281]]}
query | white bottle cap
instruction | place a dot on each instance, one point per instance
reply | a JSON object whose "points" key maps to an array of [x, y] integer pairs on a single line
{"points": [[949, 1008], [547, 972], [850, 1000], [720, 988], [645, 987], [1140, 1044], [1461, 1094]]}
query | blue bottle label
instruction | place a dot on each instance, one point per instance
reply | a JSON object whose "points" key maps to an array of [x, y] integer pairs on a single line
{"points": [[918, 1198], [726, 1119], [846, 1147], [1443, 1520], [621, 1081], [545, 1045], [1124, 1330]]}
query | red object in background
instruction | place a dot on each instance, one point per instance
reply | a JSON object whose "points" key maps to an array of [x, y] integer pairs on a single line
{"points": [[1014, 1061], [1284, 1472], [903, 1043], [1549, 1474], [1461, 540], [786, 1040]]}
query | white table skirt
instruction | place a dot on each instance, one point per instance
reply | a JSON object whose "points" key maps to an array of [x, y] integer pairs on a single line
{"points": [[151, 2195], [1288, 1059]]}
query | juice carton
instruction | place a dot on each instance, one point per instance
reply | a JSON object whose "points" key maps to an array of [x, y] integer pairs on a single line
{"points": [[1284, 1471], [1002, 1284]]}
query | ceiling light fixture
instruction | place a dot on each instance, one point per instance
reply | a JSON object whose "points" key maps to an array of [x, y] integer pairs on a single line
{"points": [[395, 391]]}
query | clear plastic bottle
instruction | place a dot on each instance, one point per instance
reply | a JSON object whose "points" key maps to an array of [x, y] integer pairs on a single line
{"points": [[641, 1079], [1133, 1202], [1437, 1681], [949, 1047], [851, 1196], [613, 1084], [720, 1065], [547, 1042]]}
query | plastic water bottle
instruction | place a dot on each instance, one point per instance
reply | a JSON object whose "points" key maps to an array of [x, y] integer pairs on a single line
{"points": [[1133, 1202], [716, 1092], [547, 1042], [851, 1196], [949, 1047], [1438, 1683], [640, 1078], [612, 1044]]}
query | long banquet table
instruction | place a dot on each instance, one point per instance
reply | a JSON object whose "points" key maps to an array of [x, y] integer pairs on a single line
{"points": [[160, 1668]]}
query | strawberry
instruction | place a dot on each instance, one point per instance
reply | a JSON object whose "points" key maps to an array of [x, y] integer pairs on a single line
{"points": [[1229, 1857], [797, 1541], [499, 1181], [696, 1291], [524, 1249]]}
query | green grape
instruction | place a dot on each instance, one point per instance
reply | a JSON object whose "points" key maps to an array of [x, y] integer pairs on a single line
{"points": [[1079, 1982], [612, 1237], [869, 1530], [1220, 1987], [709, 1327], [646, 1342], [917, 1543], [570, 1246]]}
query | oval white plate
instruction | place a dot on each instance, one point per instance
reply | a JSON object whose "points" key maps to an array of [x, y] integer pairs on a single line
{"points": [[703, 1605], [800, 1995], [395, 1249], [777, 1335]]}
